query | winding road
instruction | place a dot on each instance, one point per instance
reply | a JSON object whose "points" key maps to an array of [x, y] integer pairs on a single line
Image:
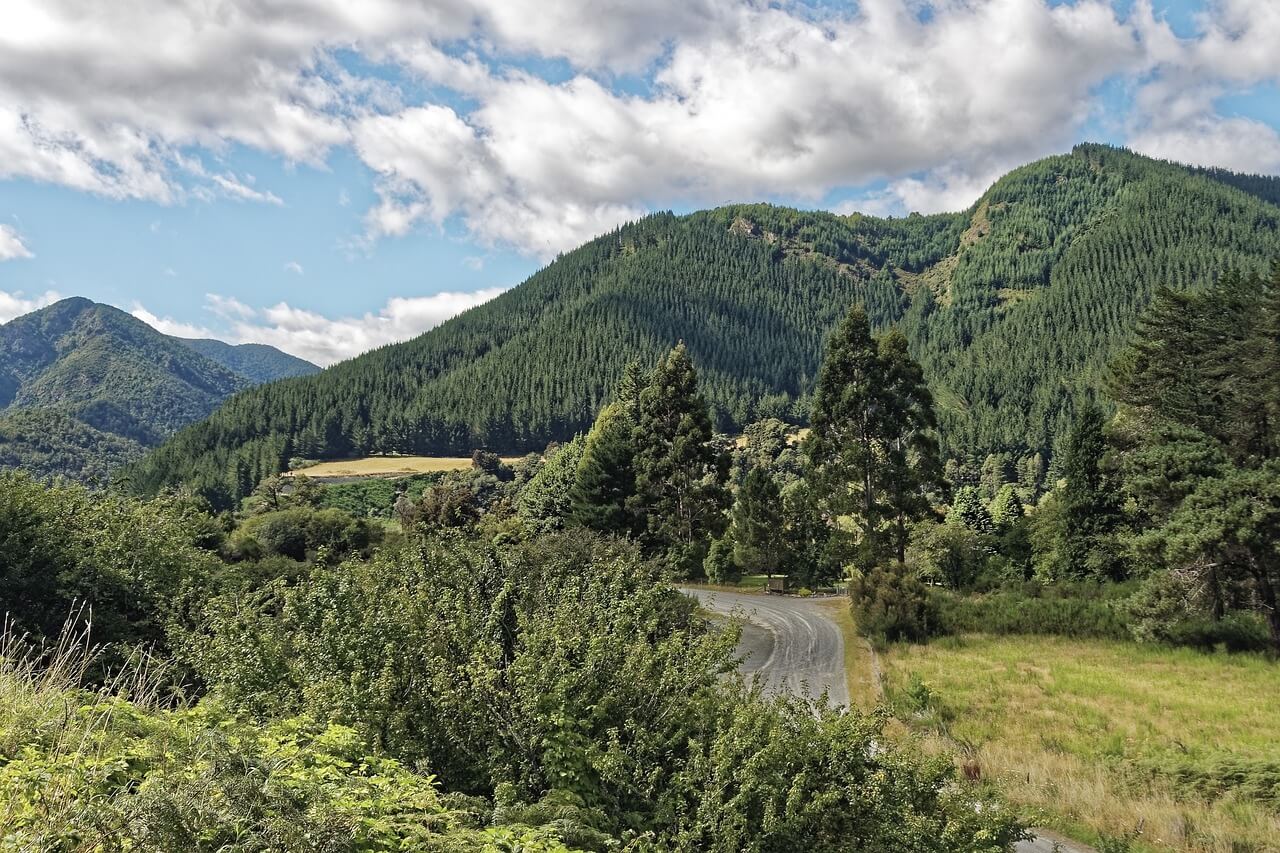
{"points": [[788, 645], [791, 645]]}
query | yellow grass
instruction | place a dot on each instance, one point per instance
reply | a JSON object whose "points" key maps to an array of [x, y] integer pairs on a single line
{"points": [[1064, 726], [389, 466], [859, 667]]}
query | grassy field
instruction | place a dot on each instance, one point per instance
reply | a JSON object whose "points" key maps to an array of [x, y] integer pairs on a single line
{"points": [[389, 466], [1110, 742]]}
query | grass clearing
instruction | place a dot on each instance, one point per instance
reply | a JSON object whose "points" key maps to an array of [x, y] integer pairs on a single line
{"points": [[1171, 748], [390, 466]]}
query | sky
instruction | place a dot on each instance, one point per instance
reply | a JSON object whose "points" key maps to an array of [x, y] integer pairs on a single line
{"points": [[328, 176]]}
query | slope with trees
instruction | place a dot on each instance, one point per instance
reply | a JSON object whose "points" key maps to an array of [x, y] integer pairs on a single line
{"points": [[1012, 308], [85, 388]]}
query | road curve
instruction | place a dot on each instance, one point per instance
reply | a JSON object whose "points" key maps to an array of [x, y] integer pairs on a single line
{"points": [[789, 645]]}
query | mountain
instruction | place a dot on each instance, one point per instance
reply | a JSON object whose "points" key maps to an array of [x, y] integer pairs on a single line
{"points": [[258, 363], [86, 387], [1013, 306]]}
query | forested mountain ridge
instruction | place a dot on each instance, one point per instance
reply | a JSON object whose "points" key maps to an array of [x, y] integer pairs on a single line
{"points": [[1013, 307], [258, 363], [86, 387]]}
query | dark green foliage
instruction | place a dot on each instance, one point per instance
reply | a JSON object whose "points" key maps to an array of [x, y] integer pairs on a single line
{"points": [[719, 565], [679, 471], [890, 604], [302, 533], [811, 556], [85, 388], [951, 554], [258, 363], [1048, 610], [1197, 442], [1090, 502], [1220, 776], [1013, 308], [757, 528], [871, 453], [65, 553], [49, 443]]}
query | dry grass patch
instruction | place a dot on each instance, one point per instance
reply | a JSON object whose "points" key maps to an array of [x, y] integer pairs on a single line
{"points": [[1173, 749], [390, 466]]}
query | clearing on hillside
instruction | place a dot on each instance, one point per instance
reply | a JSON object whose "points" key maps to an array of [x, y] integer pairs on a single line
{"points": [[388, 466]]}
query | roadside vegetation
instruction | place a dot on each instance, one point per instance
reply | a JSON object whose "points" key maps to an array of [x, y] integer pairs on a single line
{"points": [[1092, 650]]}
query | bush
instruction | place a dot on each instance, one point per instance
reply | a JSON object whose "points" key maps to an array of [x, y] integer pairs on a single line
{"points": [[1010, 612], [890, 603]]}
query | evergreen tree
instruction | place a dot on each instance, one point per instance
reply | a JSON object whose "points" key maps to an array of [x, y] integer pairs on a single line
{"points": [[1007, 507], [546, 501], [1091, 511], [871, 452], [605, 478], [968, 511], [679, 471], [757, 524]]}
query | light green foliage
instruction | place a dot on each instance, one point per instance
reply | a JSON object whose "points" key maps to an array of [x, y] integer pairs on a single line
{"points": [[951, 554], [605, 478], [968, 511], [1007, 508], [546, 501]]}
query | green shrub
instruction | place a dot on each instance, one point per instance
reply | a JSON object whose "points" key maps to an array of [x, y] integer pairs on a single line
{"points": [[890, 604], [1018, 613]]}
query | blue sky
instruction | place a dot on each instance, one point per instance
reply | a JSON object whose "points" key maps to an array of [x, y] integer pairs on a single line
{"points": [[327, 177]]}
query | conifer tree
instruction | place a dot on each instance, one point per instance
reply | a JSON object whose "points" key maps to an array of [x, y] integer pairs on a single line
{"points": [[1007, 508], [605, 478], [679, 471], [1091, 511], [757, 529], [871, 451]]}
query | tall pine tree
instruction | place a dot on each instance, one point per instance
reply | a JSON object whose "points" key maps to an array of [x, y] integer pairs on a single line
{"points": [[871, 453], [680, 473]]}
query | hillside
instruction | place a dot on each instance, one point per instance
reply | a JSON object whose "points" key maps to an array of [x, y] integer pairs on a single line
{"points": [[1013, 306], [258, 363], [86, 387]]}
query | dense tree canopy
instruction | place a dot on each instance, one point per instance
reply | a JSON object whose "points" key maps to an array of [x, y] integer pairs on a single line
{"points": [[1012, 308]]}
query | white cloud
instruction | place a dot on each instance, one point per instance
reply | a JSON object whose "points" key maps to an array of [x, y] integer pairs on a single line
{"points": [[170, 326], [16, 303], [773, 103], [11, 245], [293, 267], [313, 336], [749, 99], [227, 307], [324, 340]]}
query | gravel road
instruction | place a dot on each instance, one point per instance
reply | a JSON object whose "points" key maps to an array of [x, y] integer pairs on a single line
{"points": [[791, 645]]}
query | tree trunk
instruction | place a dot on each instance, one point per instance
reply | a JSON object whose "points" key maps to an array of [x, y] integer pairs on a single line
{"points": [[1267, 592]]}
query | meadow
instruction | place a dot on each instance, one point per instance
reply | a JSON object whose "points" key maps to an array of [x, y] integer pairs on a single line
{"points": [[389, 466], [1126, 746]]}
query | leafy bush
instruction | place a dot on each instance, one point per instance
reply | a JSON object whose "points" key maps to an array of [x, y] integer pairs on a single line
{"points": [[1009, 612], [889, 603], [563, 676]]}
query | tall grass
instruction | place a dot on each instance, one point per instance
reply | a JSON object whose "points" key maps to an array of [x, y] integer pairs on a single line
{"points": [[1112, 742]]}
